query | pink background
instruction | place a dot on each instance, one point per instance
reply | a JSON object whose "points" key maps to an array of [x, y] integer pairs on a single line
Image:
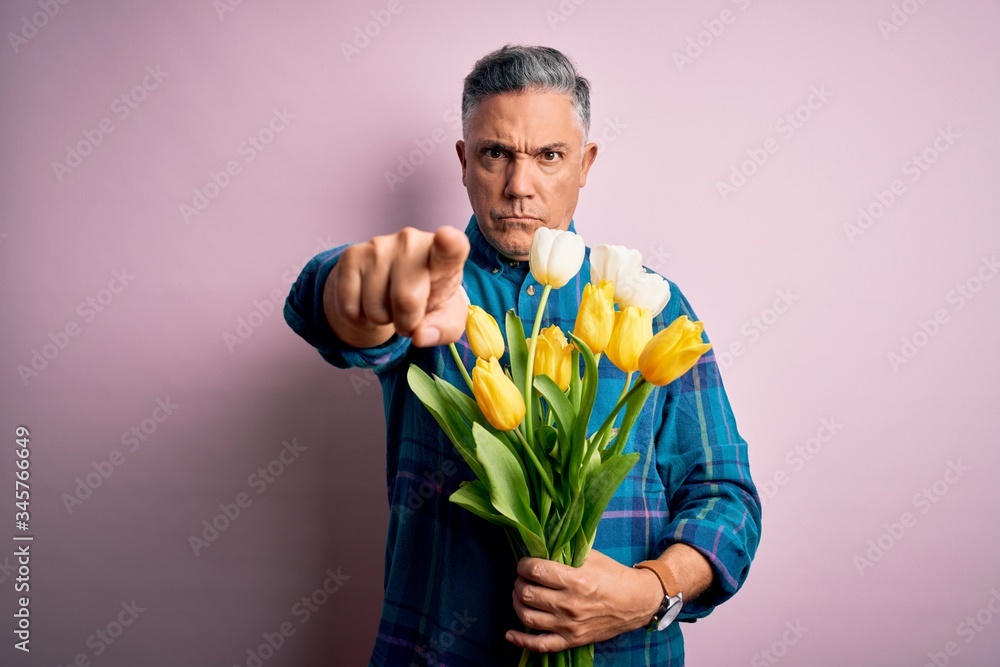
{"points": [[671, 131]]}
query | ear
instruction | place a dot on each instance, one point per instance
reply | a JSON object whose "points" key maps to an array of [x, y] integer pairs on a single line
{"points": [[589, 155], [460, 148]]}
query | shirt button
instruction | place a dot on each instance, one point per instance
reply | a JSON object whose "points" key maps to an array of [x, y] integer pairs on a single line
{"points": [[496, 269], [531, 290], [514, 264]]}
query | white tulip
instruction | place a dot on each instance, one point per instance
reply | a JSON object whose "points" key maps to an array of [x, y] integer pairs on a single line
{"points": [[650, 291], [556, 256], [608, 261], [634, 286]]}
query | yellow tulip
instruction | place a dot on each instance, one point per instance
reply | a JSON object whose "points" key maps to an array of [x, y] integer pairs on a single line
{"points": [[672, 352], [496, 395], [484, 334], [553, 356], [596, 317], [633, 329]]}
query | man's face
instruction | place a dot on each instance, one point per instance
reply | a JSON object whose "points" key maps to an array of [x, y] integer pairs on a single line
{"points": [[523, 163]]}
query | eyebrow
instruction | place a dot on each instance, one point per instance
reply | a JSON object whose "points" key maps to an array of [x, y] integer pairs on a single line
{"points": [[493, 143]]}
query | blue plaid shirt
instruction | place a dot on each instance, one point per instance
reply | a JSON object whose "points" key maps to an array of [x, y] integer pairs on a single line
{"points": [[449, 574]]}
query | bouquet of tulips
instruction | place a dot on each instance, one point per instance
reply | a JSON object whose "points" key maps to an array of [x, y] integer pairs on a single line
{"points": [[539, 472]]}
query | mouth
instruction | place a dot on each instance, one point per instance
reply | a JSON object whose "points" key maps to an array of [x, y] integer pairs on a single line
{"points": [[519, 219]]}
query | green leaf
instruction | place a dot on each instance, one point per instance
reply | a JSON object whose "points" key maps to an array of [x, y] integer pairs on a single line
{"points": [[579, 434], [473, 414], [560, 407], [475, 497], [508, 488], [632, 409], [446, 416], [518, 350], [601, 486]]}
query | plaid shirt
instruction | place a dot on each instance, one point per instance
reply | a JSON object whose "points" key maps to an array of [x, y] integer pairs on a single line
{"points": [[449, 574]]}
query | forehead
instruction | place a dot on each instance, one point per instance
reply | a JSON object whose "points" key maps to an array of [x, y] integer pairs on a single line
{"points": [[528, 117]]}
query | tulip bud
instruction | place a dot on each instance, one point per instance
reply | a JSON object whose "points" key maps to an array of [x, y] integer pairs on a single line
{"points": [[484, 334], [496, 395], [672, 352], [633, 329], [596, 316], [553, 356], [556, 256]]}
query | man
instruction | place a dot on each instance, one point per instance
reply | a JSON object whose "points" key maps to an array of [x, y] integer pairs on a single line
{"points": [[689, 505]]}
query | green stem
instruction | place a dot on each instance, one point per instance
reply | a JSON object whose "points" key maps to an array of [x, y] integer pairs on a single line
{"points": [[529, 374], [610, 419], [461, 364], [628, 383], [538, 465]]}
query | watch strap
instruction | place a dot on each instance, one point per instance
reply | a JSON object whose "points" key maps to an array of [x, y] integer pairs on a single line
{"points": [[664, 574]]}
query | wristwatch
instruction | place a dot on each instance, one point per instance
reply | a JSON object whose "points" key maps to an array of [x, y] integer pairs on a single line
{"points": [[673, 598]]}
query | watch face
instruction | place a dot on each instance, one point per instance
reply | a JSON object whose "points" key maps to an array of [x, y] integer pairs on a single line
{"points": [[670, 614]]}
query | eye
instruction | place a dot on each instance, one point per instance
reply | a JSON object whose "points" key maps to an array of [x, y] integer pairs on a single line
{"points": [[493, 153], [551, 156]]}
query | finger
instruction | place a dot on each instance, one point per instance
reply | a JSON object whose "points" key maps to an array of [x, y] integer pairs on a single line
{"points": [[529, 595], [446, 262], [543, 643], [375, 281], [409, 287], [445, 324], [346, 289], [545, 572]]}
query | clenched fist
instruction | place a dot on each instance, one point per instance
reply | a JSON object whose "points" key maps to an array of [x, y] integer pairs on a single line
{"points": [[408, 283]]}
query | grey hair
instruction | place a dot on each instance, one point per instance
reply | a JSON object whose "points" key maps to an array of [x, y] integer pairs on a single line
{"points": [[516, 68]]}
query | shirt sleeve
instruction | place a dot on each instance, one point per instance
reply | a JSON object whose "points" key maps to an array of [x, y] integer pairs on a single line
{"points": [[714, 506], [305, 315]]}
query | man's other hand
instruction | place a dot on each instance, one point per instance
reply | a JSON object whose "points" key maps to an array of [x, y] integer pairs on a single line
{"points": [[408, 283], [571, 606]]}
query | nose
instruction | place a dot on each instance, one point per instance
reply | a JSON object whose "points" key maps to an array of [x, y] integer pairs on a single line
{"points": [[520, 179]]}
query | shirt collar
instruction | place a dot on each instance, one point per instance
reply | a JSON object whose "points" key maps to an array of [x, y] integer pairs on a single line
{"points": [[485, 255]]}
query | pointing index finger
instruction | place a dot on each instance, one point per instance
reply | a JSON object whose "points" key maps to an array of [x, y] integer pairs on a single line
{"points": [[448, 253]]}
